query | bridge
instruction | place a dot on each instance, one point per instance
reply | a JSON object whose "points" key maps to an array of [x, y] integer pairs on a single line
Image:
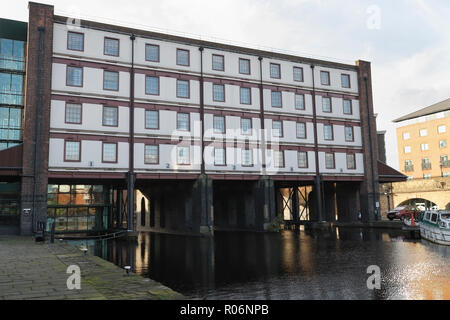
{"points": [[435, 191]]}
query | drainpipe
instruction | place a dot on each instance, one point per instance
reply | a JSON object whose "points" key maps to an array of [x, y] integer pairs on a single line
{"points": [[37, 127], [372, 167], [131, 176], [262, 119], [317, 180], [202, 111]]}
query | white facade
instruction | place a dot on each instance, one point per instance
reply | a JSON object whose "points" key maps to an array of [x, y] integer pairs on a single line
{"points": [[92, 132]]}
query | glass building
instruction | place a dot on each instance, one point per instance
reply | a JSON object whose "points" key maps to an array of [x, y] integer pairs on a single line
{"points": [[13, 36], [78, 208]]}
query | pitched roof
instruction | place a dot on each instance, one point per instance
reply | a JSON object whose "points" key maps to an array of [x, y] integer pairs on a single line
{"points": [[388, 174], [435, 108]]}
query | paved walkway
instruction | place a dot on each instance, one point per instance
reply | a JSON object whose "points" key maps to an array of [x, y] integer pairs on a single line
{"points": [[37, 271]]}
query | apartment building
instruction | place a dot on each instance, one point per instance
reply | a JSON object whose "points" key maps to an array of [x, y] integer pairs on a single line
{"points": [[199, 132], [422, 139]]}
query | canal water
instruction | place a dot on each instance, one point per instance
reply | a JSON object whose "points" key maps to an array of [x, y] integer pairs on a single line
{"points": [[287, 266]]}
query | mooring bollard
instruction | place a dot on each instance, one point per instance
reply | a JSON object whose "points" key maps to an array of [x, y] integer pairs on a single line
{"points": [[128, 270]]}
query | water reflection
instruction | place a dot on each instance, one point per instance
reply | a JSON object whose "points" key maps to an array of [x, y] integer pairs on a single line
{"points": [[304, 265]]}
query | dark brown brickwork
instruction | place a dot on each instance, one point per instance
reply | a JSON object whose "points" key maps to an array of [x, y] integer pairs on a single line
{"points": [[381, 146], [37, 109], [369, 188]]}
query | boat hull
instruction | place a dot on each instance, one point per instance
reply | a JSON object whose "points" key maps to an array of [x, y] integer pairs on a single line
{"points": [[435, 234]]}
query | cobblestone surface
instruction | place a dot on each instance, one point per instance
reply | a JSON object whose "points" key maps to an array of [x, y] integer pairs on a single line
{"points": [[37, 271]]}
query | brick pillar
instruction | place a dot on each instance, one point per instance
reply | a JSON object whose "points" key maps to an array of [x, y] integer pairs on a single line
{"points": [[369, 188], [37, 111]]}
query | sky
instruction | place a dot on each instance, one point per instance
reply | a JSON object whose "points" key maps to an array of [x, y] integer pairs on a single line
{"points": [[407, 41]]}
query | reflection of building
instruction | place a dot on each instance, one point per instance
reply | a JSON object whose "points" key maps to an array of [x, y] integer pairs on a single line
{"points": [[422, 139]]}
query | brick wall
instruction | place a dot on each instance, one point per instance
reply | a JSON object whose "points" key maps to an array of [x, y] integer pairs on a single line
{"points": [[369, 188], [37, 108]]}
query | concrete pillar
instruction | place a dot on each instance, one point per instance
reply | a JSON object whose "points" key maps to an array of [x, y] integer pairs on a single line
{"points": [[203, 204], [329, 202], [265, 205]]}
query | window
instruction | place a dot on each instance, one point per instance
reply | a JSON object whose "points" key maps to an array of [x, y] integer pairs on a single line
{"points": [[151, 154], [219, 92], [298, 74], [183, 89], [183, 155], [152, 119], [111, 47], [72, 151], [424, 146], [423, 132], [73, 113], [348, 106], [219, 124], [277, 128], [443, 144], [74, 76], [426, 164], [275, 71], [75, 41], [110, 116], [301, 130], [446, 174], [345, 80], [12, 55], [444, 161], [276, 99], [10, 126], [442, 129], [326, 104], [302, 158], [325, 78], [427, 176], [300, 102], [351, 162], [406, 136], [183, 121], [219, 157], [152, 52], [328, 132], [246, 126], [329, 161], [152, 85], [245, 95], [11, 89], [409, 167], [349, 134], [407, 150], [247, 158], [111, 80], [278, 158], [244, 66], [109, 152], [218, 62], [182, 57]]}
